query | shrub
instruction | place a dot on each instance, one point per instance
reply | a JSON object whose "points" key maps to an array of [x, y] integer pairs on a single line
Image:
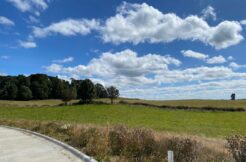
{"points": [[185, 149], [97, 144], [237, 147], [117, 137], [136, 144]]}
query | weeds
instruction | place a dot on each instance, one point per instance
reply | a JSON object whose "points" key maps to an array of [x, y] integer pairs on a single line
{"points": [[121, 143]]}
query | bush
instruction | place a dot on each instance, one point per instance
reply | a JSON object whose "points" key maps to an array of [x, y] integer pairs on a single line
{"points": [[185, 149], [135, 144], [237, 147]]}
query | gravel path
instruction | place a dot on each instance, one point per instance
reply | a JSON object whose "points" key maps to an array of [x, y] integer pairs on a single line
{"points": [[21, 146]]}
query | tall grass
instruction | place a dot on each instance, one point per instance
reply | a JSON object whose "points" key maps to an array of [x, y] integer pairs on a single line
{"points": [[120, 143]]}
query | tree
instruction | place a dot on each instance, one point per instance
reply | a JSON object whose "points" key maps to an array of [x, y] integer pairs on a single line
{"points": [[69, 94], [40, 86], [9, 91], [113, 93], [101, 92], [23, 81], [86, 91], [24, 93], [57, 87]]}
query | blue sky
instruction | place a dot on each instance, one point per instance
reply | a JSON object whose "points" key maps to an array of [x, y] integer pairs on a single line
{"points": [[170, 49]]}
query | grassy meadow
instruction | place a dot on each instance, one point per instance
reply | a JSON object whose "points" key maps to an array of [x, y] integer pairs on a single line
{"points": [[189, 103], [201, 123]]}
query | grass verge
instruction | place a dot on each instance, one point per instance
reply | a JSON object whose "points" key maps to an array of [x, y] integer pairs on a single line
{"points": [[120, 143]]}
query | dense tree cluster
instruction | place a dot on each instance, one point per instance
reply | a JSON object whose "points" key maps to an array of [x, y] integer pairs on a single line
{"points": [[41, 86]]}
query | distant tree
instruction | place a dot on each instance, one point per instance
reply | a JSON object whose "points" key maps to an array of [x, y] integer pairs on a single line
{"points": [[69, 94], [9, 91], [57, 87], [113, 93], [233, 96], [86, 91], [24, 93], [23, 81], [76, 83], [40, 86], [101, 92]]}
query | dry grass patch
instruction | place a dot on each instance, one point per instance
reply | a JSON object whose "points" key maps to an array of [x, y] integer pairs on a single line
{"points": [[121, 143]]}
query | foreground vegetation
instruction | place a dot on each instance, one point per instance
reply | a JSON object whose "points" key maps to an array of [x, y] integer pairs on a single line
{"points": [[120, 143], [211, 124]]}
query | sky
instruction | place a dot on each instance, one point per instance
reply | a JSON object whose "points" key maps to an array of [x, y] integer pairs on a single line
{"points": [[172, 49]]}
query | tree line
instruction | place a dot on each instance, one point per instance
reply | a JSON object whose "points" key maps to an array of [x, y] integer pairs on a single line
{"points": [[42, 86]]}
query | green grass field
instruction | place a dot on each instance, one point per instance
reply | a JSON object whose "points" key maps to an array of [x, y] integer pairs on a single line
{"points": [[190, 103], [210, 124]]}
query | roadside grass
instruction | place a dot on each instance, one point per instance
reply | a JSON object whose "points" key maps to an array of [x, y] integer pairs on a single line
{"points": [[120, 143], [209, 124]]}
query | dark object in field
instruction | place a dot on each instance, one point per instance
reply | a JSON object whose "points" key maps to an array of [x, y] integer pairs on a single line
{"points": [[233, 96]]}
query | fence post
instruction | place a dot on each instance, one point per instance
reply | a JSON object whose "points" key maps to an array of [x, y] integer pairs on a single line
{"points": [[170, 156]]}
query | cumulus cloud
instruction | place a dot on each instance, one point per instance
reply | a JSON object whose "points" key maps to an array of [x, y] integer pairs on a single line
{"points": [[27, 44], [5, 21], [128, 69], [126, 63], [230, 58], [54, 68], [209, 12], [213, 90], [65, 60], [202, 73], [216, 60], [234, 65], [139, 23], [243, 22], [193, 54], [69, 27], [34, 6], [201, 56]]}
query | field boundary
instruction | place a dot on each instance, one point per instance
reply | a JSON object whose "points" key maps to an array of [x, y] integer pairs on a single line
{"points": [[67, 147], [185, 107]]}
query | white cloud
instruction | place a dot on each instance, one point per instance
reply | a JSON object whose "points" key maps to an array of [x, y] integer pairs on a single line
{"points": [[209, 12], [6, 21], [54, 68], [69, 27], [236, 66], [193, 54], [33, 19], [27, 44], [230, 58], [243, 22], [127, 69], [210, 90], [202, 73], [65, 60], [34, 6], [201, 56], [139, 23], [126, 63], [216, 60]]}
